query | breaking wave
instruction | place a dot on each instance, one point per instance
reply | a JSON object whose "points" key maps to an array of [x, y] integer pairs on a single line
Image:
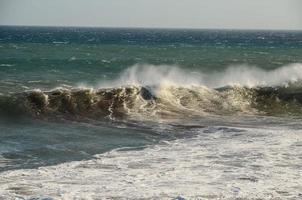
{"points": [[243, 76], [156, 92]]}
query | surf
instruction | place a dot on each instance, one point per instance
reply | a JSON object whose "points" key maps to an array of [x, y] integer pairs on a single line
{"points": [[148, 92], [238, 75]]}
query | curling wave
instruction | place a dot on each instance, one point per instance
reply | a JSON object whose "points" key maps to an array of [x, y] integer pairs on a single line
{"points": [[164, 92], [142, 103]]}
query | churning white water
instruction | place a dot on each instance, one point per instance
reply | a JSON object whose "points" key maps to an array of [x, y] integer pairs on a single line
{"points": [[219, 163]]}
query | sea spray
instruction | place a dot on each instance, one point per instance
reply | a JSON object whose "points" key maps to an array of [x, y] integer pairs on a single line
{"points": [[240, 75]]}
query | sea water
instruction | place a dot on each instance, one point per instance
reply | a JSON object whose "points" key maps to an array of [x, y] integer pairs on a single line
{"points": [[99, 113]]}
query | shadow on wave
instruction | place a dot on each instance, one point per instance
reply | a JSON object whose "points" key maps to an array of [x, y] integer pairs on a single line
{"points": [[153, 103]]}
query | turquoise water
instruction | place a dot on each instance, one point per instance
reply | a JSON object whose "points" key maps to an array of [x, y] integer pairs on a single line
{"points": [[71, 94], [47, 57]]}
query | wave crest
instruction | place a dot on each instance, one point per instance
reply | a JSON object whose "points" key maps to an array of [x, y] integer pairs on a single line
{"points": [[165, 92], [243, 75]]}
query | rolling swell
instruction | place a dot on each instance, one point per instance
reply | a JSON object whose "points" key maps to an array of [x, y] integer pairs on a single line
{"points": [[142, 102]]}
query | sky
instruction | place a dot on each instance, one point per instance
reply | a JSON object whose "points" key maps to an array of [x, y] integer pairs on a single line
{"points": [[219, 14]]}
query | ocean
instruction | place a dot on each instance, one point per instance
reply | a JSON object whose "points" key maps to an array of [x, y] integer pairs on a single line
{"points": [[125, 113]]}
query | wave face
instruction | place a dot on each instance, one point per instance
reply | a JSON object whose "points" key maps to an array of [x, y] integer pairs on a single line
{"points": [[160, 92]]}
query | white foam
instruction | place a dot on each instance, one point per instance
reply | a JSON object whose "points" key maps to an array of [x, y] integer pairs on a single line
{"points": [[6, 65], [219, 163], [243, 75]]}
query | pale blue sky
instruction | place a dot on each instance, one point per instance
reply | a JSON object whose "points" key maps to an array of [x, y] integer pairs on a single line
{"points": [[232, 14]]}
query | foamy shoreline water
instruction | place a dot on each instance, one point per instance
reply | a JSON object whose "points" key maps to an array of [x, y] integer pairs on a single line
{"points": [[220, 163]]}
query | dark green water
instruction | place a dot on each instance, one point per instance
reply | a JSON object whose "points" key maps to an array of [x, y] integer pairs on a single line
{"points": [[46, 58]]}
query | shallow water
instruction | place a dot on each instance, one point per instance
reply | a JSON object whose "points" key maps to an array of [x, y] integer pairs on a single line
{"points": [[218, 162]]}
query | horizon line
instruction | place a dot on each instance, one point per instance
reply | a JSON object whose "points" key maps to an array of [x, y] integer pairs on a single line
{"points": [[154, 28]]}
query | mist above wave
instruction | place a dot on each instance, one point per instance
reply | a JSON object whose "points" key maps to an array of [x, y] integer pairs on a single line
{"points": [[244, 75], [161, 92]]}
